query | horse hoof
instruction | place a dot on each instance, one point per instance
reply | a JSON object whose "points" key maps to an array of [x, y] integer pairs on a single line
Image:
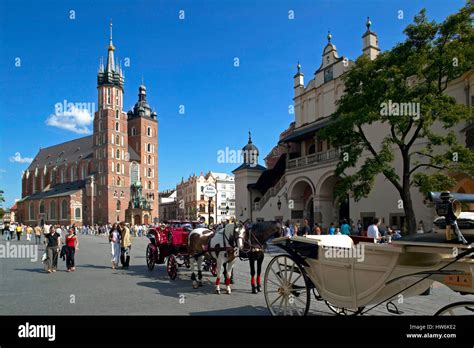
{"points": [[259, 289], [218, 292], [195, 285], [228, 291], [199, 283]]}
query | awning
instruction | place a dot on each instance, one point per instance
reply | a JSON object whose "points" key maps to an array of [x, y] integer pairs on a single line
{"points": [[308, 130], [270, 177]]}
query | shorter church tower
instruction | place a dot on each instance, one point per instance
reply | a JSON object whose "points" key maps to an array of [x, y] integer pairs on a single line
{"points": [[143, 139], [370, 42], [246, 175], [298, 81]]}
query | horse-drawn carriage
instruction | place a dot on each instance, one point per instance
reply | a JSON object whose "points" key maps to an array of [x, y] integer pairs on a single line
{"points": [[169, 244], [353, 275]]}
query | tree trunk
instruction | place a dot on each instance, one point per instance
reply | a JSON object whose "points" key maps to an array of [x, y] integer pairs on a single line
{"points": [[409, 211], [406, 194]]}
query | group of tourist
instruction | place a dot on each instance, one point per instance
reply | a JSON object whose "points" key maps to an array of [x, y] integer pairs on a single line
{"points": [[374, 230], [136, 230], [55, 247], [121, 244], [305, 228], [119, 235], [9, 232]]}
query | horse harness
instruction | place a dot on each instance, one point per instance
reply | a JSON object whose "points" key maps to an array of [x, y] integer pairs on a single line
{"points": [[225, 248]]}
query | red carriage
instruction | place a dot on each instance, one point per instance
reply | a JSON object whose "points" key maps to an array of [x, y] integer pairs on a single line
{"points": [[169, 244]]}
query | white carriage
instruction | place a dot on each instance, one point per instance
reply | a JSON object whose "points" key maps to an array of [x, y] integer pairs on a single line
{"points": [[353, 274]]}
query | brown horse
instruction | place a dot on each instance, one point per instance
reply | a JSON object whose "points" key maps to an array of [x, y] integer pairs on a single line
{"points": [[255, 239], [222, 245]]}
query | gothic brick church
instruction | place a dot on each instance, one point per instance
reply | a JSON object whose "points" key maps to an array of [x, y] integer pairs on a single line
{"points": [[109, 176]]}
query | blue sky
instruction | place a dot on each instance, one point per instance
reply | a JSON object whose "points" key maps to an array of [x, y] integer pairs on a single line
{"points": [[186, 62]]}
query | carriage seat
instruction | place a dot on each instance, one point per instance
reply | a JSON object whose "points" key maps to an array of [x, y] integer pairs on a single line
{"points": [[337, 241], [357, 239]]}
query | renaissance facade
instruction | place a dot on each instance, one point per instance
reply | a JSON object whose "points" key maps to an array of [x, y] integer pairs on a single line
{"points": [[299, 178]]}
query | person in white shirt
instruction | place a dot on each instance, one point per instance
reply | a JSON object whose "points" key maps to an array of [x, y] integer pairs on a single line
{"points": [[59, 231], [373, 230]]}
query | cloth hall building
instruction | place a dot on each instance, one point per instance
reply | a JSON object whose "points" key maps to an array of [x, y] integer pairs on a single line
{"points": [[299, 178], [109, 176]]}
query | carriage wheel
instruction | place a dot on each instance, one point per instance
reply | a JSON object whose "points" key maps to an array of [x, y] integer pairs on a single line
{"points": [[150, 257], [285, 286], [457, 308], [344, 311], [213, 267], [172, 267]]}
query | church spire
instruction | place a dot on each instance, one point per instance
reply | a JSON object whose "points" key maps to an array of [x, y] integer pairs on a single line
{"points": [[112, 74], [111, 44], [110, 68]]}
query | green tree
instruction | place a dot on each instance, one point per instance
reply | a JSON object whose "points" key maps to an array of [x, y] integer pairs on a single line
{"points": [[193, 214], [417, 70]]}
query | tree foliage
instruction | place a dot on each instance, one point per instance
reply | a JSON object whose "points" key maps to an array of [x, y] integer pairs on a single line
{"points": [[417, 72]]}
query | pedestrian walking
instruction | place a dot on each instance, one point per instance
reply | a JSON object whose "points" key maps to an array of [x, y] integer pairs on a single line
{"points": [[6, 232], [305, 229], [19, 231], [421, 227], [37, 232], [71, 246], [316, 229], [373, 230], [360, 228], [46, 229], [345, 228], [135, 230], [288, 229], [53, 243], [29, 233], [126, 246], [114, 239], [331, 229], [12, 231]]}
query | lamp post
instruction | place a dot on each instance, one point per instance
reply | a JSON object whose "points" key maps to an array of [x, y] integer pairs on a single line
{"points": [[209, 211], [209, 192]]}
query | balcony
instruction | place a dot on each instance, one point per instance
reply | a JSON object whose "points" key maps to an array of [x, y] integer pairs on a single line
{"points": [[313, 159]]}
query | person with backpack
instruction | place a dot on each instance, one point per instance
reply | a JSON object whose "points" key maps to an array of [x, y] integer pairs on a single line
{"points": [[115, 239]]}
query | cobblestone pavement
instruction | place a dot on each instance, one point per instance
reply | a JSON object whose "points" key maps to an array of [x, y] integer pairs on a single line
{"points": [[96, 289]]}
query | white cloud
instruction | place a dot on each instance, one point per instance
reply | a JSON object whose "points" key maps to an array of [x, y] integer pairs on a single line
{"points": [[76, 120], [18, 159]]}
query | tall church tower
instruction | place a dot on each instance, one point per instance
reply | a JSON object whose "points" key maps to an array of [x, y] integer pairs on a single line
{"points": [[143, 138], [111, 155]]}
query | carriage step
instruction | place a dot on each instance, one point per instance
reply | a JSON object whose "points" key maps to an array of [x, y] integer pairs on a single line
{"points": [[392, 308]]}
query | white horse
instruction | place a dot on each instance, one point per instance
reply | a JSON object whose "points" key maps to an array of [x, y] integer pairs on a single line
{"points": [[223, 245]]}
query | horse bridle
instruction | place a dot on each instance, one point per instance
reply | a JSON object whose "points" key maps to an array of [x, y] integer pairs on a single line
{"points": [[249, 242], [235, 236]]}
